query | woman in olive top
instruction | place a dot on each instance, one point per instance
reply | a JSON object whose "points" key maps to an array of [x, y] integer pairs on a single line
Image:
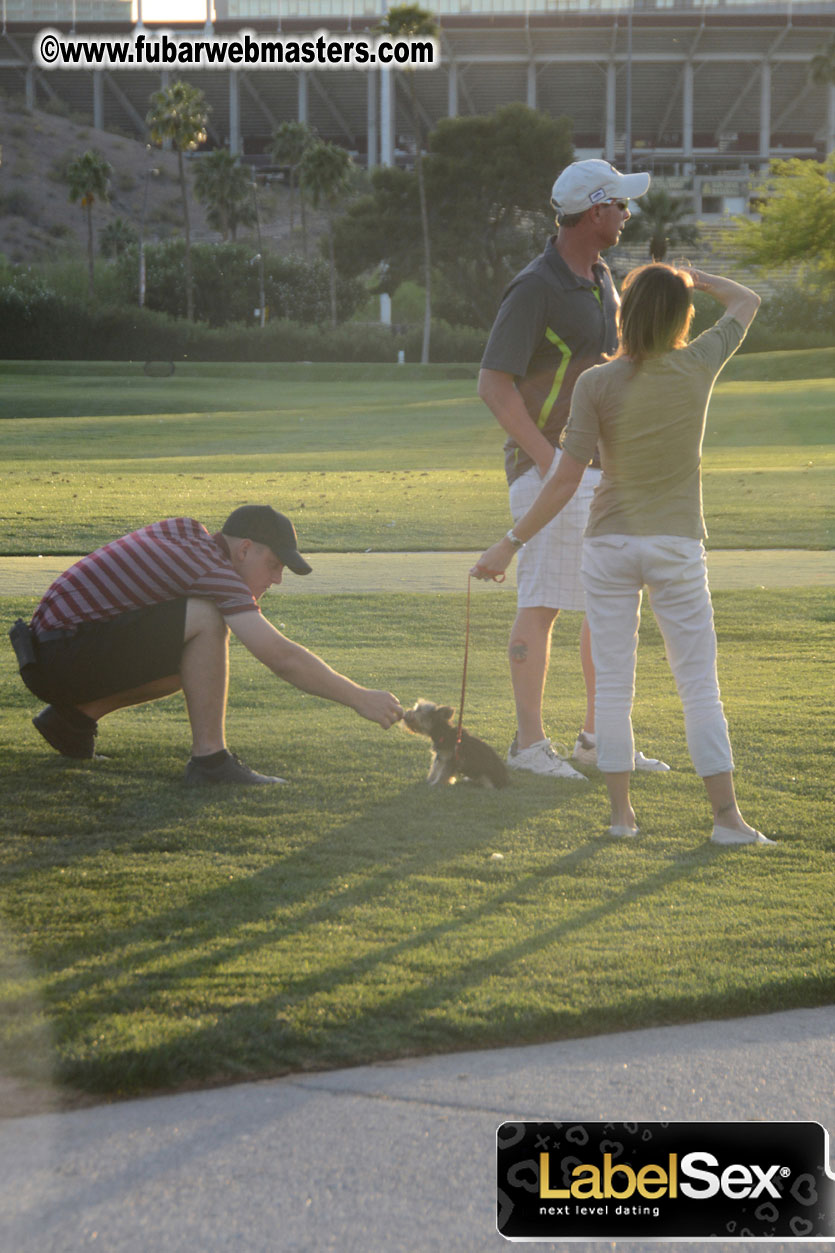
{"points": [[646, 410]]}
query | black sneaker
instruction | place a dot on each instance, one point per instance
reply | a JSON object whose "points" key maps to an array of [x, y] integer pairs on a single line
{"points": [[224, 769], [69, 731]]}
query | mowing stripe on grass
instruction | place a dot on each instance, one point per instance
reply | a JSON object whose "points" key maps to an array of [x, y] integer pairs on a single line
{"points": [[341, 573]]}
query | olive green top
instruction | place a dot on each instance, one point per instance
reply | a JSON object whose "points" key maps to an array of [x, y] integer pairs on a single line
{"points": [[649, 424]]}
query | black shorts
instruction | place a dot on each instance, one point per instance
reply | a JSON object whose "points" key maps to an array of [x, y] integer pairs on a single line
{"points": [[114, 655]]}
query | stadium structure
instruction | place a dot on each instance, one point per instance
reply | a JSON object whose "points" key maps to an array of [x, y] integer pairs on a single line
{"points": [[702, 93]]}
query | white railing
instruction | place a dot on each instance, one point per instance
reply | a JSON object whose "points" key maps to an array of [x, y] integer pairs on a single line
{"points": [[65, 11], [235, 9], [241, 10]]}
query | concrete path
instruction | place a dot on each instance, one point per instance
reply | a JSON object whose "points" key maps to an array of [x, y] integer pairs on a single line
{"points": [[447, 572], [396, 1158]]}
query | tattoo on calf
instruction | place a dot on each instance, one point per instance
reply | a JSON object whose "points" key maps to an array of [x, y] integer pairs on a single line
{"points": [[519, 652]]}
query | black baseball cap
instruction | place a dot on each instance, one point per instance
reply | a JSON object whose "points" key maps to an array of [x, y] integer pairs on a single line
{"points": [[267, 526]]}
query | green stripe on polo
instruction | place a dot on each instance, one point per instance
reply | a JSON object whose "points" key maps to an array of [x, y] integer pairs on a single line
{"points": [[550, 399]]}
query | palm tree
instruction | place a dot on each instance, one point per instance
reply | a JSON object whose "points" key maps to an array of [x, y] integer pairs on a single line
{"points": [[822, 65], [89, 180], [178, 116], [324, 172], [117, 237], [661, 222], [289, 144], [401, 22], [224, 186]]}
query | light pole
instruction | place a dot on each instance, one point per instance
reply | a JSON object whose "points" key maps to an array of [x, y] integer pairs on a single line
{"points": [[261, 292], [148, 172]]}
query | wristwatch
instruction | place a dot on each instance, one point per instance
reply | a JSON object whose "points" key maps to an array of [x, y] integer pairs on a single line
{"points": [[515, 540]]}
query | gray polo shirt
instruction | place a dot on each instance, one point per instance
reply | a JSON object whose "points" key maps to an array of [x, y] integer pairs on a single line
{"points": [[551, 325]]}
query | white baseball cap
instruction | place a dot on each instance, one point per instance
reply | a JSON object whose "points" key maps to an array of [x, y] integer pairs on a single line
{"points": [[587, 183]]}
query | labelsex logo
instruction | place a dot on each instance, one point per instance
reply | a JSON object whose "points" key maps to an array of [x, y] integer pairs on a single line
{"points": [[653, 1181], [663, 1181]]}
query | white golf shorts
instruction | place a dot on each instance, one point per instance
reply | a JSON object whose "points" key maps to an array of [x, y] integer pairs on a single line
{"points": [[548, 567]]}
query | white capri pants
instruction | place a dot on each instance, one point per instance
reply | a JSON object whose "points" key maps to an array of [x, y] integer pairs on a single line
{"points": [[615, 569]]}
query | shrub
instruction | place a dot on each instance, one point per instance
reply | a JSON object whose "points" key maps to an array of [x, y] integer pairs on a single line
{"points": [[117, 237], [794, 309], [59, 168], [41, 324], [56, 106], [792, 318], [226, 284], [45, 314], [448, 343], [18, 203], [17, 104]]}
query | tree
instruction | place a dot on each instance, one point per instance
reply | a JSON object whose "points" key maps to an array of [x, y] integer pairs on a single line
{"points": [[324, 172], [227, 288], [660, 220], [488, 183], [178, 116], [381, 230], [410, 21], [117, 238], [89, 180], [289, 143], [822, 65], [796, 208], [223, 185]]}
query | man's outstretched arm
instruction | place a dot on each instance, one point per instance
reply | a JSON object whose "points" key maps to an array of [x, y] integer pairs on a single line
{"points": [[297, 665]]}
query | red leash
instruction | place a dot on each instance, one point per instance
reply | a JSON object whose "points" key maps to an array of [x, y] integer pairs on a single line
{"points": [[497, 578]]}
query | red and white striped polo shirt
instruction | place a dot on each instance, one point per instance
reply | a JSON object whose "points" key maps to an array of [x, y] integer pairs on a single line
{"points": [[163, 561]]}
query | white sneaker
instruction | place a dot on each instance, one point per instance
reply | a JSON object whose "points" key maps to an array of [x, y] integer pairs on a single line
{"points": [[540, 758], [585, 751], [651, 765], [730, 835]]}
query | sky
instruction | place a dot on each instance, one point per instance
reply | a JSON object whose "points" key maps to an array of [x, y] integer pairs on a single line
{"points": [[173, 10]]}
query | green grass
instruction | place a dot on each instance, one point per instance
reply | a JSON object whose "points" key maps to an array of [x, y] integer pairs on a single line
{"points": [[803, 363], [380, 461], [157, 937], [151, 937]]}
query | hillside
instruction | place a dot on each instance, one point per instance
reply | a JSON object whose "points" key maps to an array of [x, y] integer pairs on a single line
{"points": [[37, 220]]}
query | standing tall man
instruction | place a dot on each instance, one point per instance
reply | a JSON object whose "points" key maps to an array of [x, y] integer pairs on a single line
{"points": [[557, 318]]}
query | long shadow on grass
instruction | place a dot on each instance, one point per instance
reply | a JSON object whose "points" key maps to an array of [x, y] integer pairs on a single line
{"points": [[249, 1037], [177, 964], [258, 1037], [414, 846], [294, 986], [474, 972]]}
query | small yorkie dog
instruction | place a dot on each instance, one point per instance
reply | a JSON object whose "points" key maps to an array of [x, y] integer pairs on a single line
{"points": [[473, 759]]}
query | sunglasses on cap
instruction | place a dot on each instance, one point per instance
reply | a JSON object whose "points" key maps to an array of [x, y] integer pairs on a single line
{"points": [[623, 205]]}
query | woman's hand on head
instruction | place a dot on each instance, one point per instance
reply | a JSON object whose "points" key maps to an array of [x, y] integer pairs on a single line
{"points": [[700, 280]]}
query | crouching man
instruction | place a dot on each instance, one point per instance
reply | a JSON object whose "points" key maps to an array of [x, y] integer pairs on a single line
{"points": [[149, 614]]}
